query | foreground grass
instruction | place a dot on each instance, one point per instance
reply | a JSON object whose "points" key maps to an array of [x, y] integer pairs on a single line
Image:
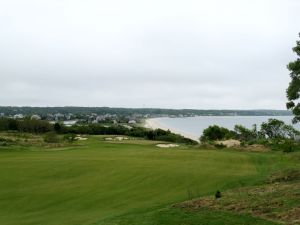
{"points": [[279, 201], [172, 216], [97, 182]]}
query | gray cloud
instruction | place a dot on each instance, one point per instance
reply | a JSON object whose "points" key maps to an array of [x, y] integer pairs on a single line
{"points": [[170, 54]]}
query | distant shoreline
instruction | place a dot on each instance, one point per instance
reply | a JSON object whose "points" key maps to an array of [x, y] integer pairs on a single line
{"points": [[153, 123]]}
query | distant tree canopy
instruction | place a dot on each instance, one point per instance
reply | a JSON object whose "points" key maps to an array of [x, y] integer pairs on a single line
{"points": [[83, 112], [26, 125], [272, 129], [293, 90], [50, 130]]}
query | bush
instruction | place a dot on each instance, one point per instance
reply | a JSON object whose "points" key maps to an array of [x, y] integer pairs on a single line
{"points": [[213, 133], [8, 124], [288, 147], [245, 134], [51, 137], [70, 137], [34, 126], [220, 146], [3, 143], [57, 127]]}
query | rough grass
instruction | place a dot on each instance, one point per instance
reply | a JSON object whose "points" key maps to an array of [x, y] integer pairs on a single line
{"points": [[96, 182], [279, 201], [176, 216]]}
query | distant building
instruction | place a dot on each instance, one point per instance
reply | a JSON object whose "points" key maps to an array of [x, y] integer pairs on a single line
{"points": [[2, 114], [132, 122], [50, 117], [18, 116], [100, 118], [58, 116], [35, 117], [69, 116]]}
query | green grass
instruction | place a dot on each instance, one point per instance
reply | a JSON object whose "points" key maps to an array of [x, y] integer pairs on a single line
{"points": [[96, 182], [171, 216]]}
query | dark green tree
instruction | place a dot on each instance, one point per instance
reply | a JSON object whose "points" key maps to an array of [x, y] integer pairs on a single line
{"points": [[57, 127], [293, 90], [245, 134], [278, 129], [213, 133]]}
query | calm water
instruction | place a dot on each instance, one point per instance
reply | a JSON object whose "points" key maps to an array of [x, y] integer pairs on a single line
{"points": [[196, 125]]}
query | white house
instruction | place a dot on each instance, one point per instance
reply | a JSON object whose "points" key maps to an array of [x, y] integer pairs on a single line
{"points": [[35, 117], [18, 116], [132, 122]]}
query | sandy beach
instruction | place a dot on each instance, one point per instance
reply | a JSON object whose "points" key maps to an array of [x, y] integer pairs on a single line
{"points": [[154, 123]]}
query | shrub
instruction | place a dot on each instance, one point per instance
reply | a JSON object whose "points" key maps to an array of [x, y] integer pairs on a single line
{"points": [[57, 127], [287, 146], [213, 133], [245, 134], [70, 137], [220, 146], [51, 137], [3, 143]]}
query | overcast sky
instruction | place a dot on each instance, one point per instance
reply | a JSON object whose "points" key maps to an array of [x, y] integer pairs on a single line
{"points": [[216, 54]]}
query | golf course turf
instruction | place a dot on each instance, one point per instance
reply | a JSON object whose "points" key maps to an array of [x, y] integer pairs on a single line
{"points": [[129, 182]]}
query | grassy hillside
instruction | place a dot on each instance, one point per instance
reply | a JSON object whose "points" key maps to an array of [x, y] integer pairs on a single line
{"points": [[98, 182]]}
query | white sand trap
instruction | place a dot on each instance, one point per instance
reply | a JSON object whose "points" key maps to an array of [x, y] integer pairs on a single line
{"points": [[79, 138], [119, 138], [116, 138], [167, 145]]}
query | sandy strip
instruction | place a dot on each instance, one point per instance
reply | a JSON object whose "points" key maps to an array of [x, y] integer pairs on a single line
{"points": [[154, 123]]}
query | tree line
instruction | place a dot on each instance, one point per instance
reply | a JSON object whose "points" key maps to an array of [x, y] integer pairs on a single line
{"points": [[79, 111], [272, 129], [273, 133], [41, 127]]}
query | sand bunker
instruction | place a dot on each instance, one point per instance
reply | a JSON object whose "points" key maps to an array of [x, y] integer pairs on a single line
{"points": [[78, 138], [167, 145], [116, 138]]}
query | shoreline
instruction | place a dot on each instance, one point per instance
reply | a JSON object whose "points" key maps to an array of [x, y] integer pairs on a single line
{"points": [[152, 123]]}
